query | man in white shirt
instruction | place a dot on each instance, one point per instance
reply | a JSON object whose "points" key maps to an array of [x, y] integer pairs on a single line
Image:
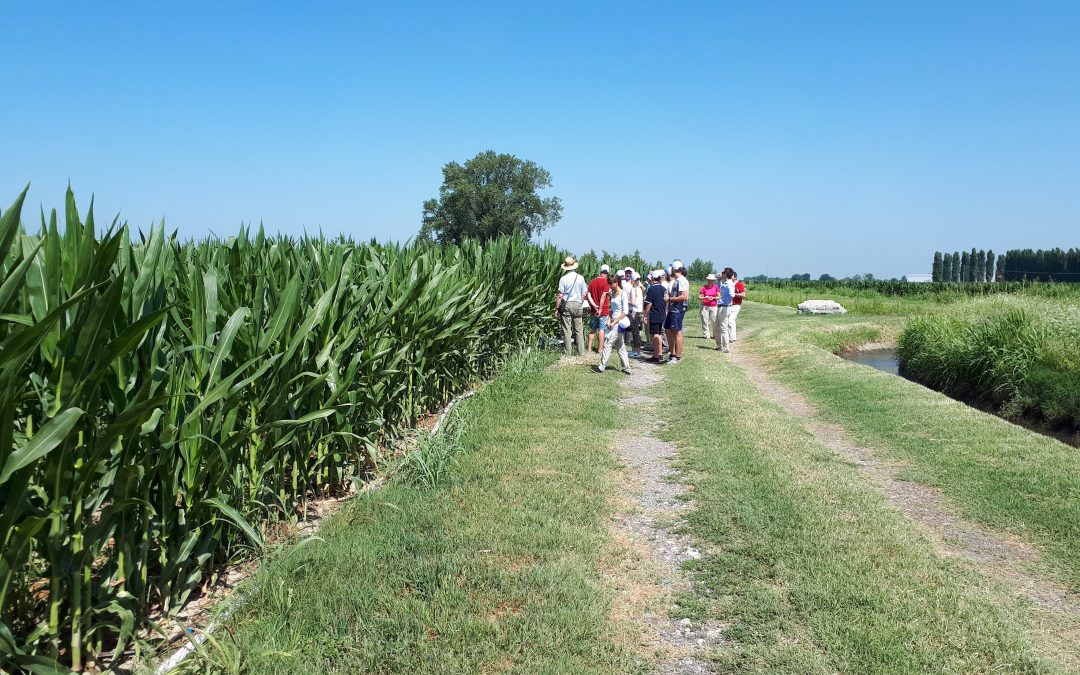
{"points": [[677, 303], [568, 303]]}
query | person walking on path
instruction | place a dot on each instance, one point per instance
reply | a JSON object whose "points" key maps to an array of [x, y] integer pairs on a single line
{"points": [[618, 321], [727, 294], [656, 310], [679, 296], [598, 298], [568, 305], [736, 303], [636, 301], [708, 296]]}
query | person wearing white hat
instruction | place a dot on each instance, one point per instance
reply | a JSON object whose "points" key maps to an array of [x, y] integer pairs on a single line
{"points": [[708, 295], [598, 298], [679, 296], [636, 300], [568, 304]]}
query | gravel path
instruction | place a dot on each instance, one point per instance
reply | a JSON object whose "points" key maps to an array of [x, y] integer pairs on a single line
{"points": [[649, 519], [999, 556]]}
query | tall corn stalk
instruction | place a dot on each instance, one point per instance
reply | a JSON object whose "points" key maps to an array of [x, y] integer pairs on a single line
{"points": [[161, 399]]}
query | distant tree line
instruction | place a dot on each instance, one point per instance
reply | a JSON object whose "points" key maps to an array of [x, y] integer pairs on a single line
{"points": [[824, 277], [979, 266], [590, 261]]}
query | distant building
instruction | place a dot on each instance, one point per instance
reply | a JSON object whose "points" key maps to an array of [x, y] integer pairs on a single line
{"points": [[919, 278]]}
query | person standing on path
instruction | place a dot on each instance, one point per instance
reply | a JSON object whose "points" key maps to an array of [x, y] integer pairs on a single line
{"points": [[708, 296], [727, 294], [598, 297], [736, 303], [656, 310], [568, 305], [679, 296], [618, 321], [636, 301]]}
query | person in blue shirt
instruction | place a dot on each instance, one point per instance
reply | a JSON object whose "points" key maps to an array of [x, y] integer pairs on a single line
{"points": [[656, 310], [722, 331]]}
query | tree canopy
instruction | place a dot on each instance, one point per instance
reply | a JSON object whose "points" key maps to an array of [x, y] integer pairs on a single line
{"points": [[489, 196]]}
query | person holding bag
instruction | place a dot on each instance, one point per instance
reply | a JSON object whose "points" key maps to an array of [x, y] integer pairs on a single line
{"points": [[568, 306], [618, 321]]}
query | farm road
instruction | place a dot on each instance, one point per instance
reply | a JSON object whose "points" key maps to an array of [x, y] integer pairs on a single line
{"points": [[1001, 557], [648, 524]]}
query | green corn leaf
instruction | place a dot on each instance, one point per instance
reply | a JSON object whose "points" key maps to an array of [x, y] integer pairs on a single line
{"points": [[47, 439]]}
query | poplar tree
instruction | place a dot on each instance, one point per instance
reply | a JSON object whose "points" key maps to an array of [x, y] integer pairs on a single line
{"points": [[990, 265], [935, 272]]}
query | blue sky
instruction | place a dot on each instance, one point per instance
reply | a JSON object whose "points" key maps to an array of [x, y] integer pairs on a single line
{"points": [[777, 137]]}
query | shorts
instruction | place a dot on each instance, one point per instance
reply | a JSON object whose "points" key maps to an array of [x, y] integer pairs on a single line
{"points": [[656, 328], [598, 322], [674, 319]]}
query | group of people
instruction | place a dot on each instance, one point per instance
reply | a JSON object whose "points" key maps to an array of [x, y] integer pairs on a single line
{"points": [[619, 305]]}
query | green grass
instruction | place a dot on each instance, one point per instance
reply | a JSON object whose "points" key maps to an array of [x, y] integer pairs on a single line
{"points": [[492, 567], [996, 473], [816, 573], [1023, 358]]}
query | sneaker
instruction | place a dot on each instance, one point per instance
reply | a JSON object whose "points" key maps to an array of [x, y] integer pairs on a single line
{"points": [[597, 369], [673, 360], [626, 370], [635, 355]]}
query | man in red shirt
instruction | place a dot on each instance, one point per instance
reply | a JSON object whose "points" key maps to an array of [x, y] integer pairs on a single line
{"points": [[736, 304], [599, 297]]}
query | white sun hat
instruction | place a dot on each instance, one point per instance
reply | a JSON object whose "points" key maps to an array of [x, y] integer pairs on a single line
{"points": [[711, 277]]}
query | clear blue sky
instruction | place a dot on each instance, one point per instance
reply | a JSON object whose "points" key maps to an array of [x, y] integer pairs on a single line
{"points": [[785, 137]]}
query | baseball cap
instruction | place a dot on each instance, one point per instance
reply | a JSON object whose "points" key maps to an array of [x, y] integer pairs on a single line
{"points": [[677, 264], [711, 277], [605, 268]]}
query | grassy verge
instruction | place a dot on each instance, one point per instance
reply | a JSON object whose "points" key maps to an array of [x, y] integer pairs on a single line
{"points": [[993, 472], [1024, 358], [488, 567], [815, 571]]}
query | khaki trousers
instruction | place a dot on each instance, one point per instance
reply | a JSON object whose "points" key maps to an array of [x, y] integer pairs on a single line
{"points": [[720, 329], [733, 314], [616, 340], [708, 318], [572, 324]]}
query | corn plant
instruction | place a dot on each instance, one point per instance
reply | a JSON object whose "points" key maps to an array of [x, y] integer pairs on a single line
{"points": [[162, 400]]}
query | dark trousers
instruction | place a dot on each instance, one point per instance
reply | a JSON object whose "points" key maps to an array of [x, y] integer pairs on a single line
{"points": [[635, 331]]}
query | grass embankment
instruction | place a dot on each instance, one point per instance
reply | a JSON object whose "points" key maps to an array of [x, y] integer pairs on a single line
{"points": [[493, 569], [816, 572], [1023, 358], [993, 472], [901, 299]]}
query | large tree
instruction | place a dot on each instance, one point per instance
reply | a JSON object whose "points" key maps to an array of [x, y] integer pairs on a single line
{"points": [[491, 195], [937, 269]]}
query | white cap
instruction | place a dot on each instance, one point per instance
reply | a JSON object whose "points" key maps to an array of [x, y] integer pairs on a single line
{"points": [[677, 264], [668, 269], [605, 268], [635, 276], [711, 277], [630, 270]]}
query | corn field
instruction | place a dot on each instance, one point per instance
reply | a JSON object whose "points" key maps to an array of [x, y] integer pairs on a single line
{"points": [[163, 399]]}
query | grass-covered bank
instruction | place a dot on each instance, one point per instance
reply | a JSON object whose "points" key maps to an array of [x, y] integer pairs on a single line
{"points": [[993, 472], [1023, 358], [495, 569], [815, 571]]}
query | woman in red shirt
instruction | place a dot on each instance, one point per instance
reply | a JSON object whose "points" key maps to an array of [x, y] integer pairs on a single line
{"points": [[708, 296]]}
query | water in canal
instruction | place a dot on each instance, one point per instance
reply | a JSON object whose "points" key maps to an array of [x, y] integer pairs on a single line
{"points": [[882, 359]]}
